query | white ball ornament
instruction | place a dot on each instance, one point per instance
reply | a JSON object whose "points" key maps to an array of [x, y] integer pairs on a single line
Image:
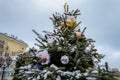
{"points": [[44, 56], [64, 59]]}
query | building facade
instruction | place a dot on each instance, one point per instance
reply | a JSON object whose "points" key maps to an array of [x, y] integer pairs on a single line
{"points": [[10, 45]]}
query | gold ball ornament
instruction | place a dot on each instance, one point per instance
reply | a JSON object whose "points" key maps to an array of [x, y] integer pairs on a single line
{"points": [[71, 23], [26, 63], [78, 35], [62, 24]]}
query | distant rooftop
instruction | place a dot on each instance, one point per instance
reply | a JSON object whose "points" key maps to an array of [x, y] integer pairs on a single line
{"points": [[13, 37]]}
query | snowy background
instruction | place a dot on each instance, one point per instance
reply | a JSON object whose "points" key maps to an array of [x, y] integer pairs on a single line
{"points": [[101, 17]]}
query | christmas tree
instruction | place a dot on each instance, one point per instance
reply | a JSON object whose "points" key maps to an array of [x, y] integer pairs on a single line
{"points": [[64, 54]]}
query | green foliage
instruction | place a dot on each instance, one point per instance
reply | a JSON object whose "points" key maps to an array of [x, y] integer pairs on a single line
{"points": [[67, 40], [106, 74]]}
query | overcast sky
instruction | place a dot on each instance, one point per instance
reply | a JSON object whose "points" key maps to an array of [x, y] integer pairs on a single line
{"points": [[101, 17]]}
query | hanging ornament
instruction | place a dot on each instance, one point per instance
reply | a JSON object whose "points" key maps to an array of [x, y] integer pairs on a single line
{"points": [[26, 62], [39, 66], [71, 21], [78, 35], [62, 24], [44, 57], [64, 59]]}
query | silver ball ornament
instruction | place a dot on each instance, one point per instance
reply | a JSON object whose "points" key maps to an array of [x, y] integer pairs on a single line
{"points": [[64, 59]]}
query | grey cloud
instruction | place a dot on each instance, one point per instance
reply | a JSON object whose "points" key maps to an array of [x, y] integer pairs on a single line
{"points": [[103, 21]]}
